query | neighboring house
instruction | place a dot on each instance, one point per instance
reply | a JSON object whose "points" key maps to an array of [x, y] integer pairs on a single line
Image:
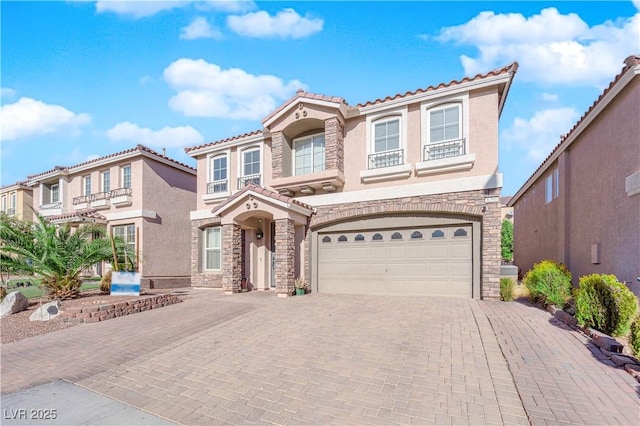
{"points": [[581, 207], [17, 200], [394, 196], [139, 195], [506, 211]]}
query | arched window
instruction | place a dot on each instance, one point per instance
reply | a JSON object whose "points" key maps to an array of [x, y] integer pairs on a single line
{"points": [[437, 234], [326, 239], [359, 237], [377, 237], [396, 236], [342, 239], [416, 235], [460, 233]]}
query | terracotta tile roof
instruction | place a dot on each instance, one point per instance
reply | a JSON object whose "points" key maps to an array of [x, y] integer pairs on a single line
{"points": [[232, 138], [138, 147], [630, 63], [263, 191], [301, 94], [509, 68], [19, 184], [77, 216]]}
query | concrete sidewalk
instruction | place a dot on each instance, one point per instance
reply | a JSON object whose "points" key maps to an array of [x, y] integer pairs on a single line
{"points": [[329, 359]]}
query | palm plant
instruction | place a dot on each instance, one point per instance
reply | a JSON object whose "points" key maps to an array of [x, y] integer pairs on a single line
{"points": [[57, 253]]}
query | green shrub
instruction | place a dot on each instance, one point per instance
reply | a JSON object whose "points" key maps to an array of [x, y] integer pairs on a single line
{"points": [[549, 282], [605, 304], [105, 282], [634, 337], [506, 289], [506, 240]]}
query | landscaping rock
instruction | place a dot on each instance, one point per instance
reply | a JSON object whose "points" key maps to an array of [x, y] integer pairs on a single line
{"points": [[634, 370], [565, 317], [46, 312], [606, 342], [622, 360], [13, 303]]}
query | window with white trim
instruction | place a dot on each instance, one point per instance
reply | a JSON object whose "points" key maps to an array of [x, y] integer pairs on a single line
{"points": [[13, 201], [218, 174], [250, 168], [54, 193], [126, 176], [128, 234], [86, 185], [386, 144], [445, 137], [309, 154], [106, 181], [4, 203], [212, 251], [548, 193], [556, 183]]}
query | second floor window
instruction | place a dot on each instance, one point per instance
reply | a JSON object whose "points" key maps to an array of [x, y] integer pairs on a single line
{"points": [[106, 181], [126, 176], [444, 124], [218, 175], [12, 201], [386, 148], [4, 203], [86, 181], [309, 154], [54, 193], [251, 162]]}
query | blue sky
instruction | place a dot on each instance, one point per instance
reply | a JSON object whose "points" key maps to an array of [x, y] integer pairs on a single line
{"points": [[83, 79]]}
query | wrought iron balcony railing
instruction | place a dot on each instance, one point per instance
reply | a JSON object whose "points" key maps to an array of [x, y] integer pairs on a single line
{"points": [[386, 159], [217, 186], [446, 149], [244, 180]]}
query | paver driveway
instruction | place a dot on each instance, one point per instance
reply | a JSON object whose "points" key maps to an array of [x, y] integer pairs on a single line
{"points": [[318, 359]]}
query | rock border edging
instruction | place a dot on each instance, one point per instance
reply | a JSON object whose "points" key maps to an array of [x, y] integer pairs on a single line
{"points": [[607, 344], [89, 314]]}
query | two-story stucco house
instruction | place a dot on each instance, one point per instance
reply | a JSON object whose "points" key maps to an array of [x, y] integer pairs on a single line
{"points": [[393, 196], [17, 200], [581, 206], [139, 195]]}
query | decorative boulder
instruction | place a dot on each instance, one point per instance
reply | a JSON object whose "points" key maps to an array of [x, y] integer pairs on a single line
{"points": [[46, 312], [13, 303]]}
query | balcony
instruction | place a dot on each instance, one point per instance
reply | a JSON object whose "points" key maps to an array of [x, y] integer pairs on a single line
{"points": [[326, 180], [386, 165], [386, 159], [50, 209], [245, 180], [100, 200], [81, 203], [218, 186], [121, 197], [443, 157], [11, 211]]}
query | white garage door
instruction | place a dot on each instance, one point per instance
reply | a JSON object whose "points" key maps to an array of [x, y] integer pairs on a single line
{"points": [[434, 261]]}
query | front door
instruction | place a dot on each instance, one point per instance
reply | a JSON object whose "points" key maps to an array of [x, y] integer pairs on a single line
{"points": [[273, 255]]}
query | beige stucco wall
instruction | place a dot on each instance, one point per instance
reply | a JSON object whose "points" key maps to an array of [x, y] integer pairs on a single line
{"points": [[593, 207]]}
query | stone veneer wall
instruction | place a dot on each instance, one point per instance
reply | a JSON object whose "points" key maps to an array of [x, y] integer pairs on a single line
{"points": [[231, 258], [118, 309], [465, 203], [277, 150], [199, 278], [285, 257], [334, 144]]}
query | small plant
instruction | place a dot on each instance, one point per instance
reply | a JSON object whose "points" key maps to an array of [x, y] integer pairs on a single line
{"points": [[634, 337], [549, 282], [301, 283], [506, 289], [3, 292], [605, 304], [506, 237], [105, 282]]}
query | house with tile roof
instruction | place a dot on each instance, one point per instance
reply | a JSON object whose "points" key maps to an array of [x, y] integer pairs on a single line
{"points": [[16, 200], [399, 195], [581, 207], [139, 195]]}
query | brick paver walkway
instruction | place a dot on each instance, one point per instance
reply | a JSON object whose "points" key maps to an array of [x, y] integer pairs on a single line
{"points": [[322, 359], [561, 376]]}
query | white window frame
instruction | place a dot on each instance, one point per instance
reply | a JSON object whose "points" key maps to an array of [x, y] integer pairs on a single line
{"points": [[240, 161], [13, 200], [57, 187], [548, 189], [392, 114], [86, 185], [556, 183], [107, 174], [298, 141], [125, 234], [205, 248], [211, 170], [425, 114], [3, 204], [122, 176]]}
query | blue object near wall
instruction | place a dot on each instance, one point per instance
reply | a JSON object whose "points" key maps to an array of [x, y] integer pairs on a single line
{"points": [[125, 284]]}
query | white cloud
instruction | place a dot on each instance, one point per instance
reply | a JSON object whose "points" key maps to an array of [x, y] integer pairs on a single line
{"points": [[230, 6], [286, 23], [206, 90], [549, 96], [6, 92], [539, 134], [167, 137], [29, 117], [550, 47], [138, 8], [636, 3], [146, 79], [200, 28]]}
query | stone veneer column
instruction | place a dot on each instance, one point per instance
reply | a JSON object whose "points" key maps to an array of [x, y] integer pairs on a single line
{"points": [[231, 258], [277, 151], [491, 254], [285, 257], [334, 144]]}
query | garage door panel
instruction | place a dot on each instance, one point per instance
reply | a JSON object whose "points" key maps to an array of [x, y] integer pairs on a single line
{"points": [[434, 262]]}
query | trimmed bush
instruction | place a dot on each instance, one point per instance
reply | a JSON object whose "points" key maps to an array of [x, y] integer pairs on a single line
{"points": [[506, 289], [105, 282], [605, 304], [634, 337], [549, 282], [506, 240]]}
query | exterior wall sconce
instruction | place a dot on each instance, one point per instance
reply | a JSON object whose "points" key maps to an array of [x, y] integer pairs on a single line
{"points": [[259, 234]]}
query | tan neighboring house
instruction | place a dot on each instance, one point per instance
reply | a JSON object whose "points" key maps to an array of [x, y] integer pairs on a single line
{"points": [[139, 195], [582, 205], [393, 196], [16, 200], [506, 211]]}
